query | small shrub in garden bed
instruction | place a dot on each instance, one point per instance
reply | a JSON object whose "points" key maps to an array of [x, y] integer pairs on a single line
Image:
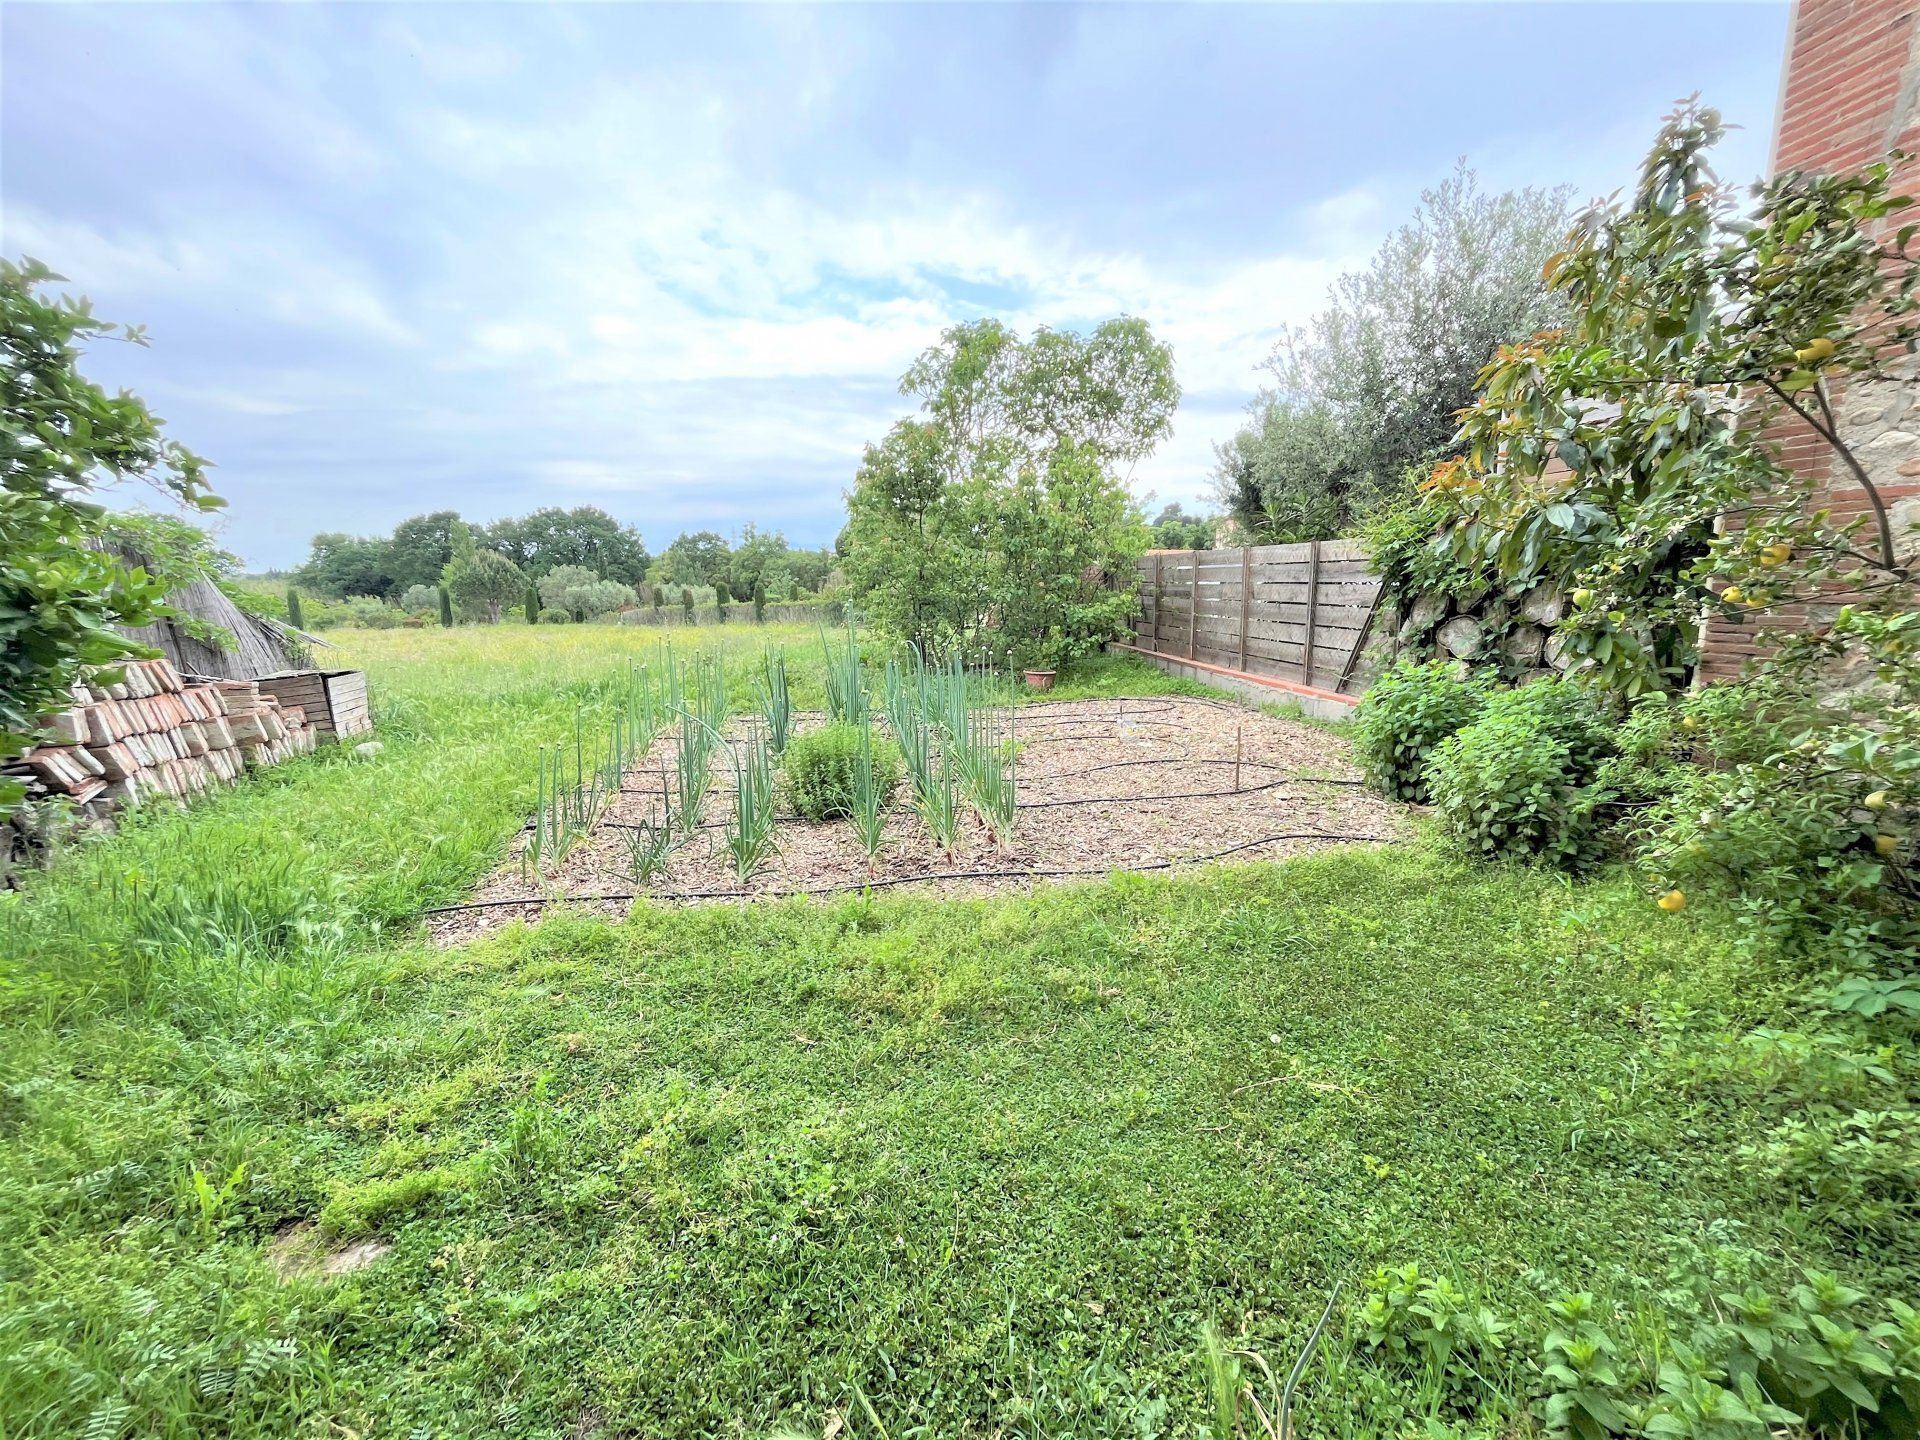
{"points": [[822, 770], [1405, 716], [1516, 783]]}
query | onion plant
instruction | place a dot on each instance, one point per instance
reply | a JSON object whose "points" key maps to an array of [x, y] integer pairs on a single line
{"points": [[869, 821], [776, 704], [846, 689], [750, 830]]}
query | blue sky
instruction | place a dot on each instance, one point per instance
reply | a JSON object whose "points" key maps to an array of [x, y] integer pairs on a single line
{"points": [[671, 260]]}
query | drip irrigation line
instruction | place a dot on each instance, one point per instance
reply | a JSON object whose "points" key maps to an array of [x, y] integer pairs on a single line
{"points": [[935, 878], [1250, 764]]}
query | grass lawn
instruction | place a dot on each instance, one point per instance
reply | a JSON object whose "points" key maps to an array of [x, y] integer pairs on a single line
{"points": [[932, 1167]]}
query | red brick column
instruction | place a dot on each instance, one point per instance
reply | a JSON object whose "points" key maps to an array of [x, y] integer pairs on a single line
{"points": [[1851, 93]]}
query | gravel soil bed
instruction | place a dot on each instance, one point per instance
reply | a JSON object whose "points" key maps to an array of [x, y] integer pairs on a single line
{"points": [[1104, 785]]}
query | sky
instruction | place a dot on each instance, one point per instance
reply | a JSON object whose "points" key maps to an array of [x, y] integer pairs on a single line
{"points": [[671, 260]]}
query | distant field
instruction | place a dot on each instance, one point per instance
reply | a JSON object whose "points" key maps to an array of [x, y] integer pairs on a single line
{"points": [[892, 1166]]}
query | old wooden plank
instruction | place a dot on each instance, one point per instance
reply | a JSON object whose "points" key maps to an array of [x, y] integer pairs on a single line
{"points": [[1313, 606]]}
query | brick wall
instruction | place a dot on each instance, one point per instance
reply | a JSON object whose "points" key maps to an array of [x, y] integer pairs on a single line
{"points": [[1850, 93]]}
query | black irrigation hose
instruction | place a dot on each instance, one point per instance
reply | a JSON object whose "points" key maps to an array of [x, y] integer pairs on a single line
{"points": [[1035, 874], [1255, 764]]}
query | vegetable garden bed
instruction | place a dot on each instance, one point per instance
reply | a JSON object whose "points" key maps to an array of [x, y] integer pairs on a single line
{"points": [[1099, 786]]}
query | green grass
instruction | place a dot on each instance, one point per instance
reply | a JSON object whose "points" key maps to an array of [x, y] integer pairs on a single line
{"points": [[943, 1167]]}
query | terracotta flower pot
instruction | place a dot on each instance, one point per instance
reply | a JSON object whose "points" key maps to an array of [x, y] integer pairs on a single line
{"points": [[1040, 679]]}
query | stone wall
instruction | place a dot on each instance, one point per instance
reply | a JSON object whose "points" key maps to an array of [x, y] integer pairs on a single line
{"points": [[1513, 630]]}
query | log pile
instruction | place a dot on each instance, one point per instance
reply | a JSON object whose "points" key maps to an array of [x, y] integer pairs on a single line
{"points": [[150, 735]]}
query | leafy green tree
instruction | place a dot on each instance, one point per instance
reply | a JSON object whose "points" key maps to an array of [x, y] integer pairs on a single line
{"points": [[61, 439], [761, 559], [341, 565], [1369, 390], [420, 549], [420, 599], [911, 556], [695, 559], [1065, 532], [1702, 332], [1176, 529], [558, 586], [586, 536], [483, 583], [964, 521]]}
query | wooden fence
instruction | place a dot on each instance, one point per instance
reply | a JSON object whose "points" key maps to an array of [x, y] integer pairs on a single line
{"points": [[1297, 612]]}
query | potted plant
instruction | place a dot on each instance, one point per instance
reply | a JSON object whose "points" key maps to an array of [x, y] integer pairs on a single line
{"points": [[1039, 661]]}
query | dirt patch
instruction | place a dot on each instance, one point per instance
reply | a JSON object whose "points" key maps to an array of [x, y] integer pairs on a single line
{"points": [[1104, 785], [298, 1252]]}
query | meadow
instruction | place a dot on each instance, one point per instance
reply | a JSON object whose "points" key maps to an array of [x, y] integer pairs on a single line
{"points": [[880, 1165]]}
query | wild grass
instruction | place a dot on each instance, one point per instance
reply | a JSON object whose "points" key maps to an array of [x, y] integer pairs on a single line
{"points": [[887, 1165]]}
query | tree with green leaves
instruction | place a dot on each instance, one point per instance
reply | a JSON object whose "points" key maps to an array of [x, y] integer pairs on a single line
{"points": [[1702, 332], [419, 549], [991, 518], [586, 536], [62, 439], [1178, 529], [1367, 393], [695, 559], [483, 583], [341, 565]]}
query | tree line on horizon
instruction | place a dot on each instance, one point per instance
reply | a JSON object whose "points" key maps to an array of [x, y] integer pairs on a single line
{"points": [[420, 550]]}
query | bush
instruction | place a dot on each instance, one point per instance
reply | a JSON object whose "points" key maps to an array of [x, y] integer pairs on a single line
{"points": [[1516, 783], [365, 612], [1778, 801], [820, 768], [555, 617], [1405, 716]]}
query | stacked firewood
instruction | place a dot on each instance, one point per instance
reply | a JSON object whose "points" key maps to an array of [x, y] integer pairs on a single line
{"points": [[149, 735]]}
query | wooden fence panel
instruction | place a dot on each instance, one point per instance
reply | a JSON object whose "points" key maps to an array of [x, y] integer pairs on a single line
{"points": [[1299, 612]]}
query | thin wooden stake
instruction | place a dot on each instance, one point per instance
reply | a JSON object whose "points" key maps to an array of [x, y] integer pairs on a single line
{"points": [[1239, 747]]}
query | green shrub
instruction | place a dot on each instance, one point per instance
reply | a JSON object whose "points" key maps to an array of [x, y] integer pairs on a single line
{"points": [[555, 617], [1405, 716], [820, 769], [1507, 787]]}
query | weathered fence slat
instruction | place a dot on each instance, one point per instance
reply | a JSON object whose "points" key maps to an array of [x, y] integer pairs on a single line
{"points": [[1291, 611]]}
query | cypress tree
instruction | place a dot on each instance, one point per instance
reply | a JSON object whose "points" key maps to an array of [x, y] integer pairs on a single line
{"points": [[759, 602], [686, 603], [296, 617], [446, 608], [533, 604]]}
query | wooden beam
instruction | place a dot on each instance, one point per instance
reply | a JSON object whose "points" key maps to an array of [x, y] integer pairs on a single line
{"points": [[1313, 608], [1246, 596], [1159, 595], [1193, 602]]}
